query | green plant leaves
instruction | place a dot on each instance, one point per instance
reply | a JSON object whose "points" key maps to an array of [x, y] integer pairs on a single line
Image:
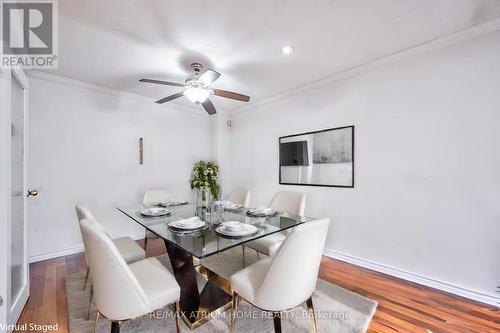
{"points": [[205, 175]]}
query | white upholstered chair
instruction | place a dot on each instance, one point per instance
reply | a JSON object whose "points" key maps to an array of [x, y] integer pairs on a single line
{"points": [[240, 197], [288, 278], [154, 197], [290, 202], [121, 291], [285, 201], [127, 247]]}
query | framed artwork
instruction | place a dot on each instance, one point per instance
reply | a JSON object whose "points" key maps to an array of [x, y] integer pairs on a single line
{"points": [[319, 158]]}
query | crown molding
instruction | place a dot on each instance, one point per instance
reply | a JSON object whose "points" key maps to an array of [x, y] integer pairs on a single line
{"points": [[434, 44], [54, 78]]}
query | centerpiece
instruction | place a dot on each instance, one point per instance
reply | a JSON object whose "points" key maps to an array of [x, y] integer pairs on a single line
{"points": [[204, 179]]}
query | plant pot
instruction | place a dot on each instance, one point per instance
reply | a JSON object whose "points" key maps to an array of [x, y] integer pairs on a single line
{"points": [[203, 198]]}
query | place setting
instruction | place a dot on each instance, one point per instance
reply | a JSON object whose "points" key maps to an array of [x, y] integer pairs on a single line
{"points": [[155, 212], [235, 229], [173, 202], [188, 226], [231, 206], [261, 212]]}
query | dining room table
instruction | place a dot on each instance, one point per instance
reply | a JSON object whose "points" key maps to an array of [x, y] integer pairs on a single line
{"points": [[204, 293]]}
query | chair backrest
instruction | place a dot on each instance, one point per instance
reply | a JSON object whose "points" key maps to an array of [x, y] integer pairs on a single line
{"points": [[293, 272], [83, 213], [240, 197], [117, 293], [155, 196], [289, 201]]}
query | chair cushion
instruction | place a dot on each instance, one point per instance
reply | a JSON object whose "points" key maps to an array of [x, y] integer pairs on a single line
{"points": [[129, 249], [158, 283], [268, 244], [246, 282]]}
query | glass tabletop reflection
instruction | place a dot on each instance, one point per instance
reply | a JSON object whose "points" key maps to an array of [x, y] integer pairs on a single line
{"points": [[207, 242]]}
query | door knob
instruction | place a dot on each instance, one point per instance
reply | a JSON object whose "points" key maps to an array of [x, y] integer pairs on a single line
{"points": [[32, 193]]}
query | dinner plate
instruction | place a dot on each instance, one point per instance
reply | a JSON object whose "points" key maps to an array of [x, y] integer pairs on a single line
{"points": [[155, 212], [260, 214], [247, 231], [190, 233], [232, 206], [188, 224]]}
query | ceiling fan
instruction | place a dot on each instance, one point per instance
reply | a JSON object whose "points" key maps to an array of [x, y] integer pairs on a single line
{"points": [[197, 88]]}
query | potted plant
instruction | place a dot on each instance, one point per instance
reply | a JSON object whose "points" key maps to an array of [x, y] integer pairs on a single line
{"points": [[204, 179]]}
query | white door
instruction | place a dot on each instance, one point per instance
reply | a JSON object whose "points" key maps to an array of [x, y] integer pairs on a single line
{"points": [[14, 269]]}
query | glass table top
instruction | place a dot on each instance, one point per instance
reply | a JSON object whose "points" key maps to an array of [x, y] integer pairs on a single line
{"points": [[207, 242]]}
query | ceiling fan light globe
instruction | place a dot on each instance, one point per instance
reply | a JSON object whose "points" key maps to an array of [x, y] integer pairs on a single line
{"points": [[196, 95]]}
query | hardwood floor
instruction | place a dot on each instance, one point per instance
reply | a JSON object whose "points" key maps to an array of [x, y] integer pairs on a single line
{"points": [[403, 306]]}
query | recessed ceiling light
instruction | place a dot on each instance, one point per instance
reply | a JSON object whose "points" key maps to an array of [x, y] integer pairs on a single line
{"points": [[287, 50]]}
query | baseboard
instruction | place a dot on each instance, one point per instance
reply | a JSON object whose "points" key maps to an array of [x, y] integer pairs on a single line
{"points": [[66, 252], [55, 254], [416, 278]]}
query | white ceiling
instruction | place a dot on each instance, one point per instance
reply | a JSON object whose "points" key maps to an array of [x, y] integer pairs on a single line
{"points": [[113, 43]]}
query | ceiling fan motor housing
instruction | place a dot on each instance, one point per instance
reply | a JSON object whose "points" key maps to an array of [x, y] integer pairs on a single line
{"points": [[196, 67], [192, 78]]}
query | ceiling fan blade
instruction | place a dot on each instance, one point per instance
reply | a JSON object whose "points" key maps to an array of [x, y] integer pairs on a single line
{"points": [[209, 107], [169, 98], [166, 83], [208, 77], [231, 95]]}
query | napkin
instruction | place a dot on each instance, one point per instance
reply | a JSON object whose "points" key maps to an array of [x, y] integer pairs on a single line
{"points": [[188, 222], [172, 202], [261, 210], [235, 226]]}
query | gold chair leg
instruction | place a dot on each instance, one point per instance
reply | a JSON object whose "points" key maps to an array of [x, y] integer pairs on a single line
{"points": [[86, 278], [196, 262], [177, 317], [233, 312], [312, 315], [90, 301], [98, 314], [243, 247]]}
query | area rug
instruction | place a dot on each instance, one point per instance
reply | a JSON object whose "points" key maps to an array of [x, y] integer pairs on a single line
{"points": [[337, 309]]}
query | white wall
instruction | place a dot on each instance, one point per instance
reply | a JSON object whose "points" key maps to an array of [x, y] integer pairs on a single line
{"points": [[221, 135], [84, 149], [427, 189]]}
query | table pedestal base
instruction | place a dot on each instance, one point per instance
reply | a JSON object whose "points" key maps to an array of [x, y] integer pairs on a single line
{"points": [[201, 298]]}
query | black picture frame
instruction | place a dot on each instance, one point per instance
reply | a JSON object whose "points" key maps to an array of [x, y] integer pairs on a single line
{"points": [[313, 132]]}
